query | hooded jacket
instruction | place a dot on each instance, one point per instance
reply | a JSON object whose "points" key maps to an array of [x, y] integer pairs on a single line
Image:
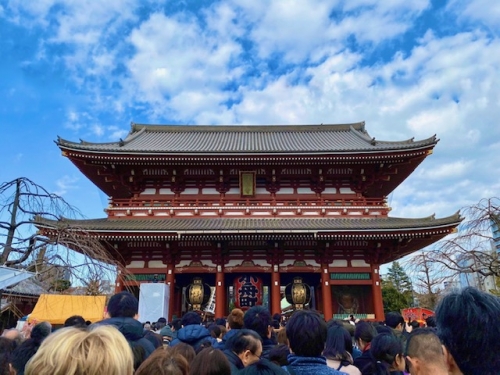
{"points": [[193, 335], [132, 330]]}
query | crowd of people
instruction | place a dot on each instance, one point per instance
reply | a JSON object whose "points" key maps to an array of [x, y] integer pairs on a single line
{"points": [[462, 338]]}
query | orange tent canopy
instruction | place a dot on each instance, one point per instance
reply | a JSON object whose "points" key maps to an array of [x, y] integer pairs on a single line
{"points": [[56, 308]]}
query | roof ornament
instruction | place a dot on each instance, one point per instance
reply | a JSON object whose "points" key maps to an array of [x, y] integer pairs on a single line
{"points": [[121, 143], [373, 141]]}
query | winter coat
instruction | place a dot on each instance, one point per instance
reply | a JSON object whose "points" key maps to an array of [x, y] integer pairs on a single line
{"points": [[193, 335], [132, 330]]}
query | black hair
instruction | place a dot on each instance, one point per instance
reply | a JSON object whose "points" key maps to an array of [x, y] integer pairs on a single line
{"points": [[124, 305], [258, 318], [220, 321], [23, 353], [364, 331], [431, 321], [243, 339], [279, 354], [468, 326], [306, 332], [214, 330], [393, 319], [191, 318], [7, 346], [383, 351], [176, 324], [75, 321], [415, 324], [338, 344]]}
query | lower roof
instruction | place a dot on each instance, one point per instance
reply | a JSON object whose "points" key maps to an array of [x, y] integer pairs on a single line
{"points": [[198, 226]]}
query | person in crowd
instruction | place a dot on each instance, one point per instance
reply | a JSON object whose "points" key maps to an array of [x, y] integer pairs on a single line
{"points": [[306, 331], [164, 362], [210, 361], [387, 355], [221, 321], [396, 322], [215, 332], [75, 321], [101, 350], [258, 319], [169, 332], [263, 367], [123, 309], [160, 324], [279, 354], [430, 321], [351, 328], [363, 336], [234, 322], [192, 332], [14, 335], [338, 350], [243, 349], [23, 353], [468, 325], [185, 350], [424, 353], [7, 346]]}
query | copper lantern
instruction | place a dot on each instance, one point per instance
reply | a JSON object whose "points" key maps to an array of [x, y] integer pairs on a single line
{"points": [[198, 293], [298, 293]]}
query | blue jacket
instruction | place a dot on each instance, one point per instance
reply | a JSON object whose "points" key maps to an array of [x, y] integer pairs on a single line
{"points": [[193, 335], [132, 330], [310, 365], [222, 345]]}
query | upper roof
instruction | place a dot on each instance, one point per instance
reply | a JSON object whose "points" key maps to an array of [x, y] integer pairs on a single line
{"points": [[240, 139]]}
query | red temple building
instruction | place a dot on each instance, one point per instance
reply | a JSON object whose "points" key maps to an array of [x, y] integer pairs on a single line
{"points": [[250, 210]]}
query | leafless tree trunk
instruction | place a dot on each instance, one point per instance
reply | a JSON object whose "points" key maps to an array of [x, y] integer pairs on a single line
{"points": [[63, 250]]}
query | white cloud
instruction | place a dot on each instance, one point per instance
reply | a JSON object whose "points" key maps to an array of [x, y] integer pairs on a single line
{"points": [[66, 183], [477, 10]]}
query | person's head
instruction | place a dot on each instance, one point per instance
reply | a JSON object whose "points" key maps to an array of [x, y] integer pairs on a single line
{"points": [[101, 350], [258, 319], [221, 321], [395, 320], [176, 324], [247, 345], [164, 362], [279, 354], [14, 335], [306, 332], [186, 350], [75, 321], [430, 321], [424, 353], [263, 367], [24, 352], [210, 361], [123, 305], [364, 334], [191, 318], [468, 325], [281, 336], [235, 319], [7, 346], [338, 343], [387, 352], [162, 322], [214, 330]]}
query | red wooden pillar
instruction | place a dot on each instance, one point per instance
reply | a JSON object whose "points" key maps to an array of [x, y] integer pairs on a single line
{"points": [[327, 293], [275, 291], [378, 303], [220, 293], [170, 281]]}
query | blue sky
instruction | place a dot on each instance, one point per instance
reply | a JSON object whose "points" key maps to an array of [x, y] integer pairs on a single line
{"points": [[85, 69]]}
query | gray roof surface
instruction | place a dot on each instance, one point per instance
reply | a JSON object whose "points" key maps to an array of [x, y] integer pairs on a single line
{"points": [[253, 224], [235, 139]]}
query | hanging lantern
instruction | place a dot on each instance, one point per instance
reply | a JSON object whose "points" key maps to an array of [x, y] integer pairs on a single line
{"points": [[247, 291], [197, 293], [298, 294]]}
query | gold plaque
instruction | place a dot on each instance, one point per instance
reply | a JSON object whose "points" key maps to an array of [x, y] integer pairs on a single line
{"points": [[247, 184]]}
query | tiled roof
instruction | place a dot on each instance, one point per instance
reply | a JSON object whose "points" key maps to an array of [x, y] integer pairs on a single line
{"points": [[29, 286], [253, 225], [239, 139]]}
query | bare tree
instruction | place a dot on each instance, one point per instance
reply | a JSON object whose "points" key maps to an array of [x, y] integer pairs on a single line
{"points": [[53, 251], [428, 278], [471, 250]]}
